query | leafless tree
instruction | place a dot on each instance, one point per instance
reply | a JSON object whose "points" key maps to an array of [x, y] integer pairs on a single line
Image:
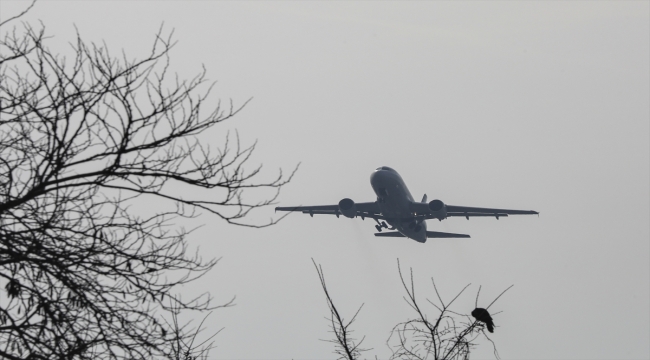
{"points": [[100, 156], [184, 347], [346, 347], [445, 335]]}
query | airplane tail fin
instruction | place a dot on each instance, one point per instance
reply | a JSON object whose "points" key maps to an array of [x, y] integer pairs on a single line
{"points": [[424, 198], [389, 234], [437, 234]]}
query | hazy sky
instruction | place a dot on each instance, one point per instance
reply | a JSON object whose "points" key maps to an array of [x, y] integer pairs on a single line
{"points": [[540, 105]]}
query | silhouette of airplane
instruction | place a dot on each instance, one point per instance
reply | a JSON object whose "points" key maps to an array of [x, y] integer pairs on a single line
{"points": [[396, 207]]}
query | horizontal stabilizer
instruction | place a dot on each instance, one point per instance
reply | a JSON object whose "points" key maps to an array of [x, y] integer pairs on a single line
{"points": [[390, 234], [437, 234], [430, 234]]}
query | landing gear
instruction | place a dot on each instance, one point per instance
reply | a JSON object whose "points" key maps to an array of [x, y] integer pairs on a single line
{"points": [[382, 225]]}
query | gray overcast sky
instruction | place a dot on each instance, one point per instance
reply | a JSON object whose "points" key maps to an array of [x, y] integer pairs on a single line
{"points": [[524, 105]]}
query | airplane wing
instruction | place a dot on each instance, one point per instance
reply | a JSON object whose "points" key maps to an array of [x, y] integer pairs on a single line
{"points": [[367, 209], [468, 212]]}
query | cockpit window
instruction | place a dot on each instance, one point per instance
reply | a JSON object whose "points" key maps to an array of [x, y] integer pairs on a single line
{"points": [[386, 168]]}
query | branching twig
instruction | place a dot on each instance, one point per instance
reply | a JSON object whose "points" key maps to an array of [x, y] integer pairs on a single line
{"points": [[448, 337], [346, 346], [100, 157]]}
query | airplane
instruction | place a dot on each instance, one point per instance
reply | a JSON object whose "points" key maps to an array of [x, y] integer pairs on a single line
{"points": [[396, 206]]}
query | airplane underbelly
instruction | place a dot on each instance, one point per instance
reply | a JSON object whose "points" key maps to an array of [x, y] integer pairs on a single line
{"points": [[395, 209], [417, 233]]}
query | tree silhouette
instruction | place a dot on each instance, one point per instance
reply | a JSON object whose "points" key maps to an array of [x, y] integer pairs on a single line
{"points": [[346, 347], [446, 334], [99, 157]]}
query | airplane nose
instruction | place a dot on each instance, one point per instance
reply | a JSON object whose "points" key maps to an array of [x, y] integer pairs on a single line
{"points": [[378, 175], [375, 177]]}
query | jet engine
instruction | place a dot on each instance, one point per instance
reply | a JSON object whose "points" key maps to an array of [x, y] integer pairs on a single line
{"points": [[347, 208], [438, 208]]}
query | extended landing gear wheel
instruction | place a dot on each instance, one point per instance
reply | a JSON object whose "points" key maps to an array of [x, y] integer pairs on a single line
{"points": [[378, 227]]}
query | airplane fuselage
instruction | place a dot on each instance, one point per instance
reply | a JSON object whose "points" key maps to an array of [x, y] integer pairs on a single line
{"points": [[395, 206], [395, 200]]}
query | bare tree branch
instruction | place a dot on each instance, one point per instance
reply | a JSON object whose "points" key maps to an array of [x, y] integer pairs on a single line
{"points": [[85, 142], [449, 335], [21, 14], [346, 346]]}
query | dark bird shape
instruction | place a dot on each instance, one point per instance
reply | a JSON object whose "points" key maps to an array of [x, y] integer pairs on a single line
{"points": [[483, 315]]}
